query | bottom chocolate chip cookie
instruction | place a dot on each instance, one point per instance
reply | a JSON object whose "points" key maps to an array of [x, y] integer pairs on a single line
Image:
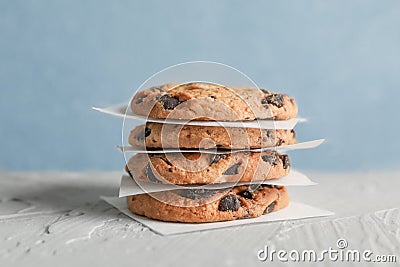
{"points": [[200, 206]]}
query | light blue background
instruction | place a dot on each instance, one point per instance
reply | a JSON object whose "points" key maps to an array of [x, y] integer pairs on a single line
{"points": [[339, 59]]}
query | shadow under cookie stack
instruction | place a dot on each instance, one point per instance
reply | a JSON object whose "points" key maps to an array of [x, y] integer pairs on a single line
{"points": [[243, 158]]}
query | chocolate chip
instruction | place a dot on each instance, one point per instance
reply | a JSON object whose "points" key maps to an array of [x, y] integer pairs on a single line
{"points": [[274, 99], [215, 158], [232, 170], [165, 160], [140, 99], [150, 174], [246, 194], [286, 161], [271, 159], [142, 135], [265, 91], [268, 185], [196, 193], [270, 134], [280, 142], [270, 208], [159, 89], [147, 131], [264, 102], [254, 187], [169, 102], [230, 202], [293, 133]]}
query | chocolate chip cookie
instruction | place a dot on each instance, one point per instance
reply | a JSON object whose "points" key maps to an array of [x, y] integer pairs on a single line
{"points": [[202, 168], [157, 135], [202, 206], [205, 101]]}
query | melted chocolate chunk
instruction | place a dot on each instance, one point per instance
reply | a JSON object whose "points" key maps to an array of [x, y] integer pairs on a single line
{"points": [[294, 133], [254, 187], [265, 91], [147, 131], [196, 193], [270, 134], [165, 160], [271, 159], [230, 202], [169, 102], [246, 194], [142, 135], [140, 99], [268, 185], [270, 208], [280, 142], [232, 170], [274, 99], [159, 89], [215, 158], [286, 161], [150, 174]]}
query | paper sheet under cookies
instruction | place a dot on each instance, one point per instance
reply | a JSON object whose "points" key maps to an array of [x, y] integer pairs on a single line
{"points": [[280, 149], [129, 187], [119, 111], [294, 211]]}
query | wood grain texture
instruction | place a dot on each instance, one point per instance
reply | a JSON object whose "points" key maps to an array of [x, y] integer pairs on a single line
{"points": [[57, 219]]}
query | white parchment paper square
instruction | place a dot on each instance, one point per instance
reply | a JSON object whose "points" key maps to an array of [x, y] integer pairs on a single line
{"points": [[294, 211], [119, 111], [130, 187]]}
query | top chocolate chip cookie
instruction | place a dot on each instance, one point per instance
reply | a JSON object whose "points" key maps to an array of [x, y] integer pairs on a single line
{"points": [[205, 101]]}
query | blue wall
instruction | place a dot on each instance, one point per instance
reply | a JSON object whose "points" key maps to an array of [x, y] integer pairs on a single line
{"points": [[339, 59]]}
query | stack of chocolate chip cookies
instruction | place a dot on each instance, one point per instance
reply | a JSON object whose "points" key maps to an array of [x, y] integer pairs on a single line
{"points": [[225, 154]]}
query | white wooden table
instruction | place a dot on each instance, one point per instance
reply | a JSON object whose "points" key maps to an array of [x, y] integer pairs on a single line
{"points": [[57, 219]]}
